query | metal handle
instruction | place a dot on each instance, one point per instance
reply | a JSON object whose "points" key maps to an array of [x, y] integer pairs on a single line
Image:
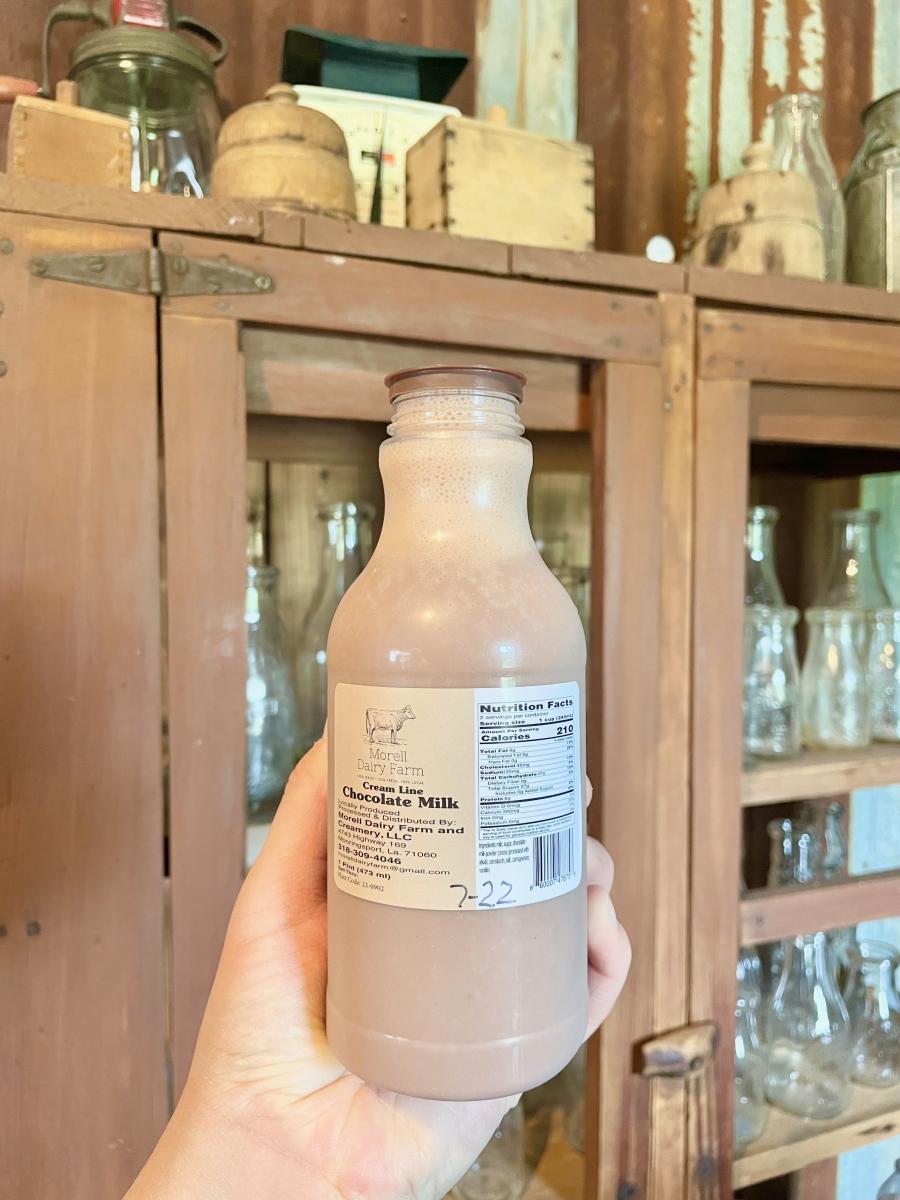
{"points": [[72, 10], [219, 44]]}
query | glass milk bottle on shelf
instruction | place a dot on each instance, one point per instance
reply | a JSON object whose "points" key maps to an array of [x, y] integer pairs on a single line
{"points": [[874, 1009], [800, 146], [771, 690], [854, 578], [346, 542], [834, 695], [456, 906], [761, 584], [884, 674], [750, 1110], [271, 703], [808, 1033]]}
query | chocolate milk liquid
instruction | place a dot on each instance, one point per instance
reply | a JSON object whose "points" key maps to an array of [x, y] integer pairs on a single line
{"points": [[457, 965]]}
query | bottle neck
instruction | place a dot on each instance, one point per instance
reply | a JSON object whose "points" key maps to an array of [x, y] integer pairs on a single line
{"points": [[854, 576], [762, 585], [456, 471]]}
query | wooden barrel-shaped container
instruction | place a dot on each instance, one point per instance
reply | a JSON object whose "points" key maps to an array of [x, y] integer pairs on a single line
{"points": [[285, 156], [762, 221]]}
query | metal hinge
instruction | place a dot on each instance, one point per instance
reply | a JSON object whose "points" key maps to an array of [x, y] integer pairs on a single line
{"points": [[153, 273]]}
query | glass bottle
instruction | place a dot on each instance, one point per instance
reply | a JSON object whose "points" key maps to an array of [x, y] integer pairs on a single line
{"points": [[346, 545], [891, 1186], [750, 1110], [884, 674], [501, 1171], [854, 578], [575, 1079], [874, 1010], [271, 703], [833, 693], [827, 821], [800, 146], [808, 1034], [761, 579], [771, 698], [794, 853]]}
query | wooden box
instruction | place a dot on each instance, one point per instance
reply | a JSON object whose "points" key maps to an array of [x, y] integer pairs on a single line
{"points": [[67, 144], [479, 179]]}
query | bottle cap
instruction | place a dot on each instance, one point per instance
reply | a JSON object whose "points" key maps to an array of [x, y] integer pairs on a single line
{"points": [[475, 378]]}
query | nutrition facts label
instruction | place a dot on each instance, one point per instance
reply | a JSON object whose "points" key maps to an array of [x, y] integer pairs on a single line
{"points": [[466, 799], [529, 793]]}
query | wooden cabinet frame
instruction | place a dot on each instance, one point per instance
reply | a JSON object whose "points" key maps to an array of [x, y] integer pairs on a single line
{"points": [[144, 410]]}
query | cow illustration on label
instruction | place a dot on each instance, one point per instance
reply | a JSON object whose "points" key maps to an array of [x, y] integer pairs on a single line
{"points": [[387, 720]]}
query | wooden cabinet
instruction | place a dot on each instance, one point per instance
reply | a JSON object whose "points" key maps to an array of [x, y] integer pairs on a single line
{"points": [[152, 348]]}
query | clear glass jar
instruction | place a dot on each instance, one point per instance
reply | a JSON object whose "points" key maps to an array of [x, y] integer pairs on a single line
{"points": [[808, 1034], [271, 703], [871, 191], [751, 1112], [874, 1009], [884, 674], [800, 146], [346, 546], [501, 1171], [891, 1186], [771, 699], [854, 578], [163, 86], [573, 1099], [833, 693], [761, 584]]}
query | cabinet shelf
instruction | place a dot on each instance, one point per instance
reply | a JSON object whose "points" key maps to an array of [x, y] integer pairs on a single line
{"points": [[770, 913], [820, 773], [790, 1143]]}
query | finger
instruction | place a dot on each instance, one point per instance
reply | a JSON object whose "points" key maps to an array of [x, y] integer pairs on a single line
{"points": [[10, 87], [295, 849], [609, 956], [588, 792], [599, 869]]}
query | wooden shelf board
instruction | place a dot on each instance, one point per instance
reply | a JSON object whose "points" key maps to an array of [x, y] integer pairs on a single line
{"points": [[789, 1143], [820, 773], [770, 913], [794, 295]]}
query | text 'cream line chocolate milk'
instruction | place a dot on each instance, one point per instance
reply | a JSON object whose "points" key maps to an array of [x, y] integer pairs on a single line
{"points": [[457, 963]]}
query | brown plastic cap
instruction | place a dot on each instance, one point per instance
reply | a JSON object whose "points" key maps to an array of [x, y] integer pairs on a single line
{"points": [[477, 378]]}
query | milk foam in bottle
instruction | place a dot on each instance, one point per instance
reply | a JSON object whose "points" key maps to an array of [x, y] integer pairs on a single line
{"points": [[457, 964]]}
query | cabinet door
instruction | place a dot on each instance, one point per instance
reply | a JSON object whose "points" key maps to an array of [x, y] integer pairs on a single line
{"points": [[82, 986]]}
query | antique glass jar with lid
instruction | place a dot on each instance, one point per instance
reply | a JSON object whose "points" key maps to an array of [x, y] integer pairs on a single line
{"points": [[141, 68], [872, 193]]}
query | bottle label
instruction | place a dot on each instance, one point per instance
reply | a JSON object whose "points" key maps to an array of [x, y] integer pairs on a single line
{"points": [[457, 798]]}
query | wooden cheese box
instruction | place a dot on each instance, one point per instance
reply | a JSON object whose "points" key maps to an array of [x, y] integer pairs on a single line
{"points": [[67, 144], [480, 179]]}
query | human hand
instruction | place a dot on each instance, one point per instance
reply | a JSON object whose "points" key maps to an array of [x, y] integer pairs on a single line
{"points": [[268, 1111], [10, 87]]}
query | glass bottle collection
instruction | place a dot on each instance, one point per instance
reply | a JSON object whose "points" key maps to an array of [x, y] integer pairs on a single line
{"points": [[824, 1014], [848, 692]]}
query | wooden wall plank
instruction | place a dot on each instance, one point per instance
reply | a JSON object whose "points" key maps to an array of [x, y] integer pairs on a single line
{"points": [[204, 434], [376, 299], [719, 520], [623, 741], [82, 982]]}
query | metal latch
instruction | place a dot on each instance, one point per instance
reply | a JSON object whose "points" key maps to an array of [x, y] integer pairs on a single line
{"points": [[153, 273]]}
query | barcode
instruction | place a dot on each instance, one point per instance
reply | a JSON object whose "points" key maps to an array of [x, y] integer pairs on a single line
{"points": [[552, 855]]}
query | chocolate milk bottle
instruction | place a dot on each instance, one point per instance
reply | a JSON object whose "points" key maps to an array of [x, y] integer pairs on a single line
{"points": [[456, 899]]}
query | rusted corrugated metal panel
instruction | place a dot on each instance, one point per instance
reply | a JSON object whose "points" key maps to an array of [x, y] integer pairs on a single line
{"points": [[527, 53], [670, 93]]}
